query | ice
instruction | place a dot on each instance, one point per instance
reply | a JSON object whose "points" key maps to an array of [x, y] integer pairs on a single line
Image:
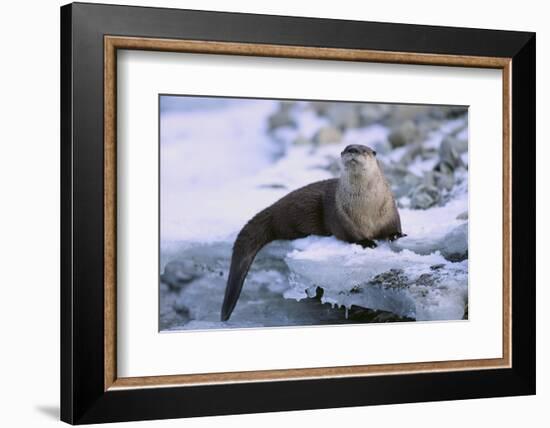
{"points": [[423, 287]]}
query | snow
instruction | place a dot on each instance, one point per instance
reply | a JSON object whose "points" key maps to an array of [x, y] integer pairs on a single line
{"points": [[201, 149], [425, 229]]}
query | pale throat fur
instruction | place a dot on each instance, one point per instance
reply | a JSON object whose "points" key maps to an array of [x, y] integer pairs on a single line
{"points": [[363, 195]]}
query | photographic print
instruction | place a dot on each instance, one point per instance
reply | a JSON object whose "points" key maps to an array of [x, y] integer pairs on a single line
{"points": [[277, 213]]}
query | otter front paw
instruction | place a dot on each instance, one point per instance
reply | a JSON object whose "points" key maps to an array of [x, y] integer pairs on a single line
{"points": [[367, 243], [396, 236]]}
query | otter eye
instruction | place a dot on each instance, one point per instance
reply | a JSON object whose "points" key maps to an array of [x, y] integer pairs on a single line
{"points": [[374, 152]]}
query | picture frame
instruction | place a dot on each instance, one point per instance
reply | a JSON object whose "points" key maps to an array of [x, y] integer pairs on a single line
{"points": [[91, 35]]}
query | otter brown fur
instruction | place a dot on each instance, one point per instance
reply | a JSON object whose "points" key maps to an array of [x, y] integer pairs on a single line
{"points": [[358, 207]]}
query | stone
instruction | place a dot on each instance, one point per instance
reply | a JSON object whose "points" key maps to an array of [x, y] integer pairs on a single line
{"points": [[373, 113], [272, 186], [452, 112], [343, 115], [406, 185], [327, 135], [181, 308], [179, 273], [441, 177], [382, 147], [462, 216], [454, 245], [458, 144], [403, 134], [392, 279], [319, 107], [405, 112], [425, 196], [427, 125], [365, 315], [300, 140], [412, 151], [449, 154], [401, 180], [280, 119]]}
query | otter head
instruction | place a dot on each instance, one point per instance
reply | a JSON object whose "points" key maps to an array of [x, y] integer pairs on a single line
{"points": [[359, 159]]}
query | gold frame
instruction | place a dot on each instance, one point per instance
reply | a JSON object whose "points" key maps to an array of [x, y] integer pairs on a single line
{"points": [[112, 43]]}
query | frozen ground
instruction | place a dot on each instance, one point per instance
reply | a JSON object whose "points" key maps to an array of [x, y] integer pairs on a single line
{"points": [[224, 160]]}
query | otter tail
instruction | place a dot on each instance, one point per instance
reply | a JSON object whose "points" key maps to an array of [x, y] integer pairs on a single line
{"points": [[253, 236]]}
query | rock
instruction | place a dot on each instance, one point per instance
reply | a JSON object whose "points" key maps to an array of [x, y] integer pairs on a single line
{"points": [[452, 112], [426, 280], [319, 107], [438, 113], [286, 105], [168, 315], [328, 135], [406, 112], [425, 196], [383, 316], [412, 151], [437, 266], [392, 279], [462, 216], [458, 144], [164, 288], [360, 314], [401, 180], [407, 184], [461, 146], [427, 125], [403, 134], [272, 186], [448, 153], [343, 115], [447, 112], [180, 307], [382, 147], [454, 246], [443, 177], [373, 113], [179, 273], [282, 117], [300, 140], [444, 180], [428, 153]]}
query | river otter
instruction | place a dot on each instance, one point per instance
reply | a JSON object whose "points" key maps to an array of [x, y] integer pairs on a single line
{"points": [[358, 207]]}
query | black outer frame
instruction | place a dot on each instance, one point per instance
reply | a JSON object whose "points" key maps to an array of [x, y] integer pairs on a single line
{"points": [[83, 399]]}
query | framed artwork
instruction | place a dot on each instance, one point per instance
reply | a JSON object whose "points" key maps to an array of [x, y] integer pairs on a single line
{"points": [[316, 212]]}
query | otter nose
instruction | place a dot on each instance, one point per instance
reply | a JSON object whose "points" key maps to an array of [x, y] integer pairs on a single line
{"points": [[351, 150]]}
